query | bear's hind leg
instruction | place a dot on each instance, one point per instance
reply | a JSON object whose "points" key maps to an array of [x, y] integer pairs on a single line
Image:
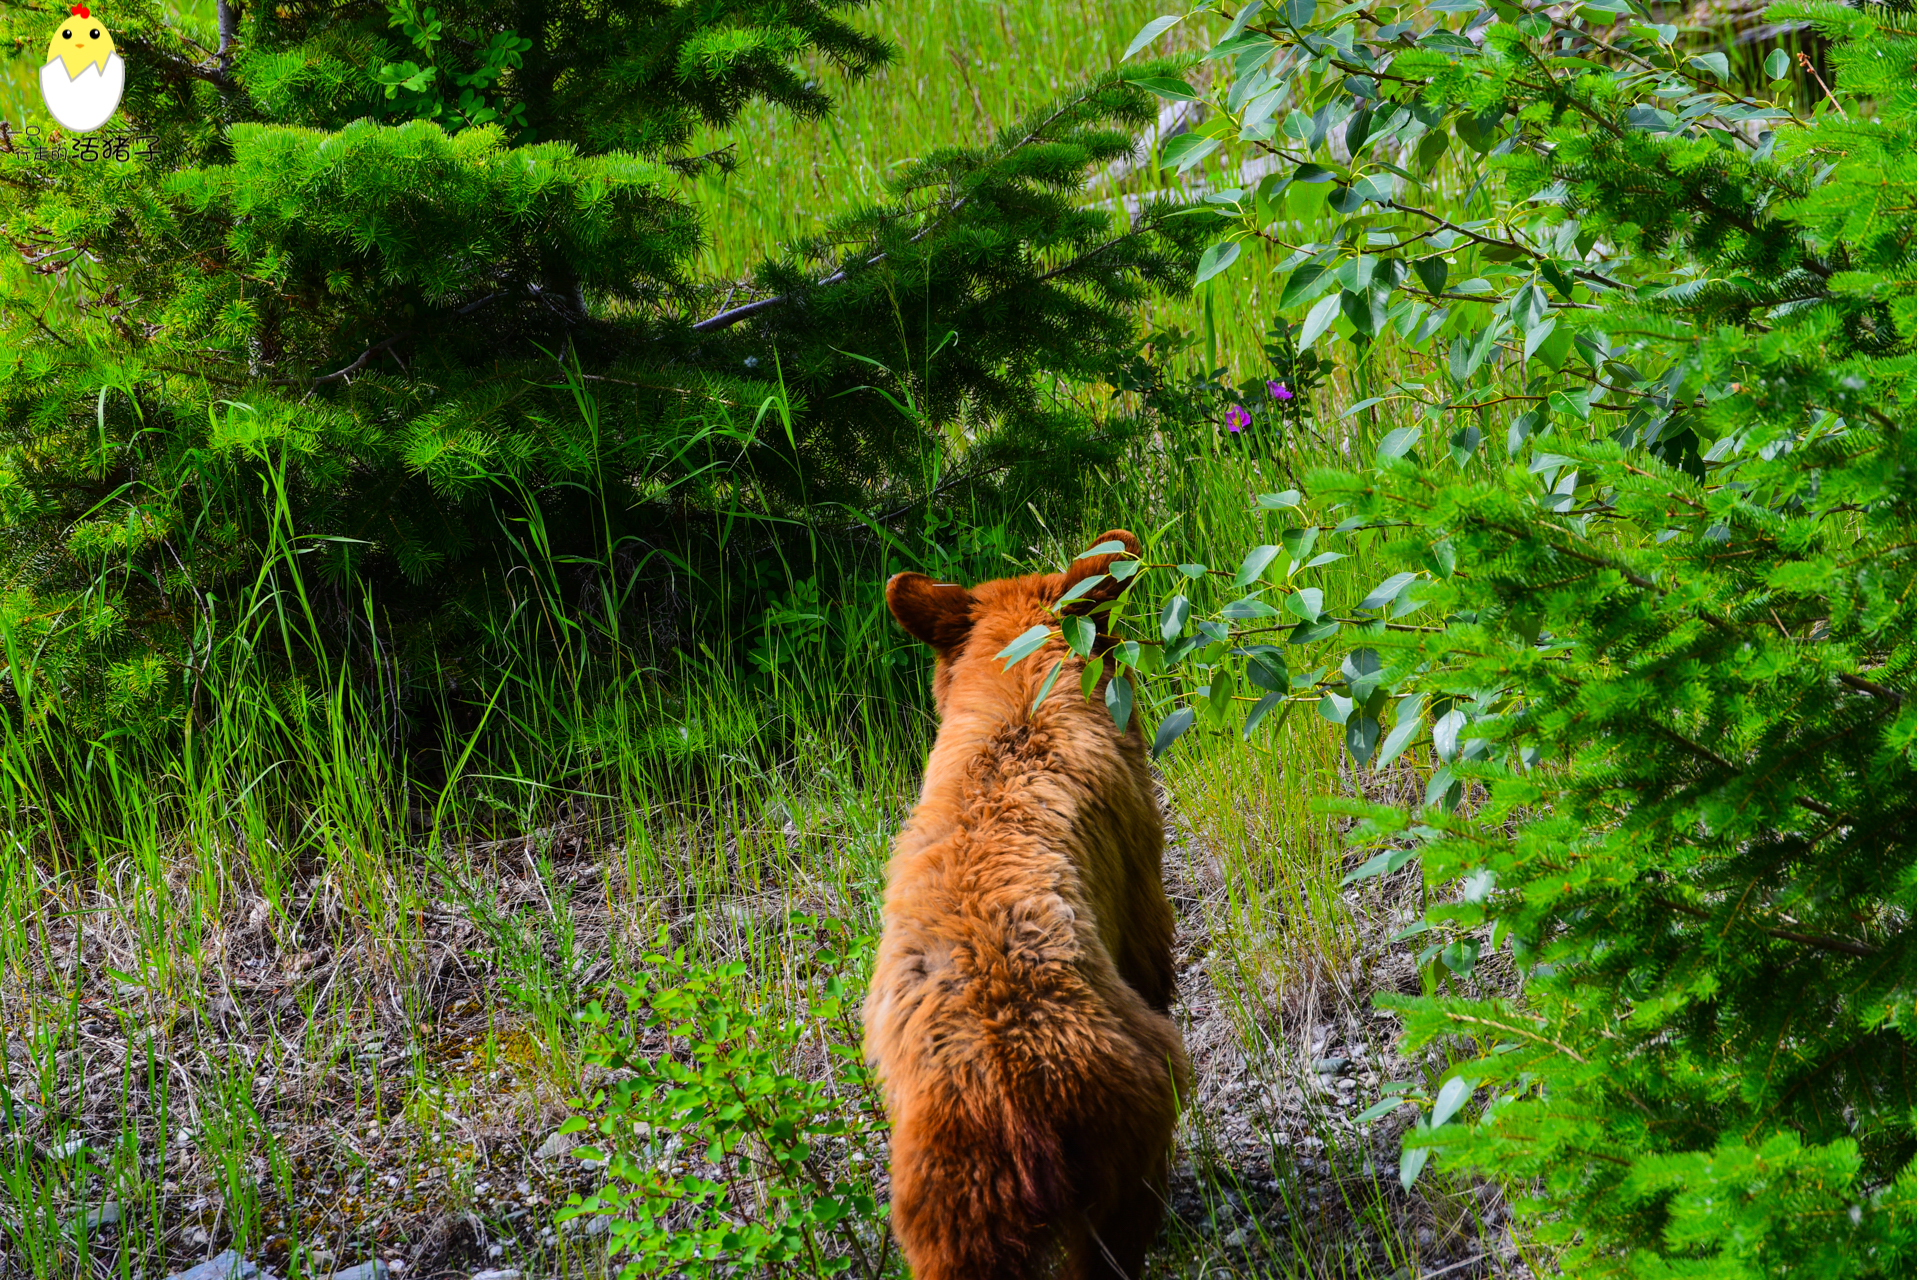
{"points": [[1115, 1247]]}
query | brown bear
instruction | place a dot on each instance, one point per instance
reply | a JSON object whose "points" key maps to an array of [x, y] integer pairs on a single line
{"points": [[1018, 1008]]}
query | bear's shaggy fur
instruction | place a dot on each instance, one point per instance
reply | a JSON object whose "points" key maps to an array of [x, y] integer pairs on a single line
{"points": [[1017, 1013]]}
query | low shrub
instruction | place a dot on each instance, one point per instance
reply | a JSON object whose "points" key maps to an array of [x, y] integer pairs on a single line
{"points": [[723, 1152], [1646, 533]]}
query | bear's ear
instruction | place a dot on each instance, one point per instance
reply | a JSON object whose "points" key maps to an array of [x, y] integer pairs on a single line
{"points": [[938, 613], [1111, 547]]}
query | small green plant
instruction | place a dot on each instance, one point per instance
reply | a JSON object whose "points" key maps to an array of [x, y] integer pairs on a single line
{"points": [[424, 89], [720, 1157]]}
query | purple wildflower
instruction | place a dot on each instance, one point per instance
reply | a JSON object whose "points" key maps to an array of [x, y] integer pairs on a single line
{"points": [[1237, 417], [1279, 391]]}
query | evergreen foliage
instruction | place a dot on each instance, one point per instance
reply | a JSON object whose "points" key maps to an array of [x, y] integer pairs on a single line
{"points": [[413, 291]]}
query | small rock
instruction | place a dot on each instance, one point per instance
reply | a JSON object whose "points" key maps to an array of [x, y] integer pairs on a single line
{"points": [[107, 1215], [557, 1145], [1329, 1066], [372, 1269], [501, 1273], [1236, 1240], [225, 1266]]}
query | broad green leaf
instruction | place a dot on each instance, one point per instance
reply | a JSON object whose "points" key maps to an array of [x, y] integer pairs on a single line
{"points": [[1383, 864], [1361, 669], [1024, 646], [1411, 1164], [1111, 546], [1377, 187], [1171, 620], [1080, 588], [1218, 698], [1278, 501], [1460, 957], [1334, 708], [1238, 24], [1051, 679], [1464, 442], [1307, 603], [1266, 669], [1256, 113], [1317, 321], [1150, 32], [1248, 607], [1398, 442], [1079, 634], [1259, 712], [1454, 1094], [1170, 728], [1534, 337], [1387, 591], [1410, 722], [1357, 131], [1167, 87], [1378, 1110], [1186, 150], [1575, 403], [1777, 65], [1305, 283], [1256, 561], [1361, 735], [1718, 64], [1118, 700], [1088, 678], [1216, 259], [1193, 570]]}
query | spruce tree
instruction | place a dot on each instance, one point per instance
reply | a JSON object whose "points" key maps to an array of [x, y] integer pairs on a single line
{"points": [[414, 288]]}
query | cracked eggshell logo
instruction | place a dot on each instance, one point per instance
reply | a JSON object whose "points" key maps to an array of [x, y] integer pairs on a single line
{"points": [[84, 76]]}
